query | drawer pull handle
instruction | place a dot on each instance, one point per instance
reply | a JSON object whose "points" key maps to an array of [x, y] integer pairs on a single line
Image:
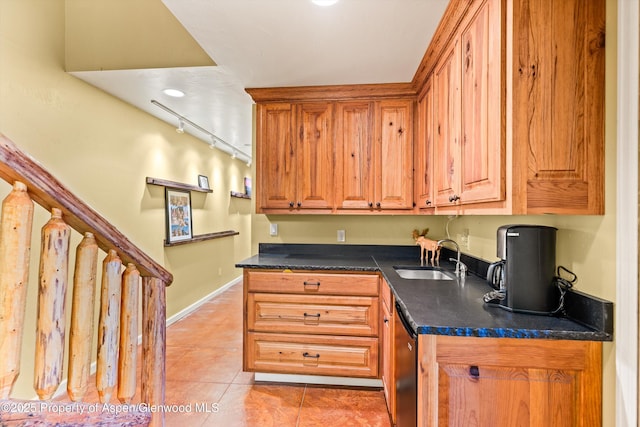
{"points": [[317, 315], [316, 284], [311, 356]]}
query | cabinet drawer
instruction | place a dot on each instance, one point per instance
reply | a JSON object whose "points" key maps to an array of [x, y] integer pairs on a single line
{"points": [[312, 283], [312, 355], [313, 314]]}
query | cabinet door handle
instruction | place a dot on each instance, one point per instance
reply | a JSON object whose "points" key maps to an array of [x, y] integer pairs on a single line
{"points": [[317, 315], [428, 203], [386, 320], [370, 204], [474, 372], [290, 204], [454, 198], [311, 356], [299, 204], [378, 204], [316, 284]]}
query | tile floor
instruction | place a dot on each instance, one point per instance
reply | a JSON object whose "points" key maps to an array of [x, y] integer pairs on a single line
{"points": [[204, 373]]}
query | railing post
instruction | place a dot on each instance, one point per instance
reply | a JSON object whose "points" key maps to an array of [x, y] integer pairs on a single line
{"points": [[109, 326], [128, 334], [15, 249], [54, 264], [153, 345], [81, 330]]}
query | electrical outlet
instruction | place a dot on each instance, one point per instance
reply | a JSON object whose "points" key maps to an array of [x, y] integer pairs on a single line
{"points": [[273, 229], [342, 237]]}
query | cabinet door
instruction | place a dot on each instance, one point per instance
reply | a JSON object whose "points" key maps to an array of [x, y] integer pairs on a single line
{"points": [[424, 150], [354, 144], [316, 164], [394, 161], [558, 108], [276, 151], [446, 154], [482, 171], [511, 382]]}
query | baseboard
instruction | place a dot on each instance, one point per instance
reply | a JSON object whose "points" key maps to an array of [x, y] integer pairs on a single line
{"points": [[317, 379], [62, 388]]}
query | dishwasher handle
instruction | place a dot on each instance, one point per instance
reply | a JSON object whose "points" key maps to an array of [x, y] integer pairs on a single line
{"points": [[405, 322]]}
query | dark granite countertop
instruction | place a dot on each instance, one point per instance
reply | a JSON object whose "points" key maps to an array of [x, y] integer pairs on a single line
{"points": [[443, 307]]}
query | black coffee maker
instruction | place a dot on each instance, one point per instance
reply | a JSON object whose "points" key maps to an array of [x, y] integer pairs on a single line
{"points": [[523, 279]]}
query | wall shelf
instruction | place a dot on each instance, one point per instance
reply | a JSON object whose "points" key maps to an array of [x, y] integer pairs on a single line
{"points": [[203, 237], [177, 185], [240, 195]]}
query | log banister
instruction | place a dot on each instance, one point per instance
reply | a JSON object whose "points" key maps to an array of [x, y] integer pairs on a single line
{"points": [[49, 193], [117, 329]]}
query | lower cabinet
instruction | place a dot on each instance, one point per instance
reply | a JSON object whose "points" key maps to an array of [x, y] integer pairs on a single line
{"points": [[312, 323], [465, 381]]}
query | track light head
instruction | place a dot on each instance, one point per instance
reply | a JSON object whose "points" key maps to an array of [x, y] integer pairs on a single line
{"points": [[180, 128]]}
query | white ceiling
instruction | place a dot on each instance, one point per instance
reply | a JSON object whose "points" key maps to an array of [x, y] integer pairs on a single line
{"points": [[273, 43]]}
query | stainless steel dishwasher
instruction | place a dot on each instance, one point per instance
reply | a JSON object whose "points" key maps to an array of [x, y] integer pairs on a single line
{"points": [[406, 349]]}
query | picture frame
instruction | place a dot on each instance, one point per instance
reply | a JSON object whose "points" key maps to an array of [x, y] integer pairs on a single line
{"points": [[203, 182], [179, 217], [247, 186]]}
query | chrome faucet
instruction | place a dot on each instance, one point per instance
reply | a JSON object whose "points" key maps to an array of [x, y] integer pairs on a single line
{"points": [[461, 269]]}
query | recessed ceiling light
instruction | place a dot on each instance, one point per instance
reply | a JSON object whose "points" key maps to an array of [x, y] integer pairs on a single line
{"points": [[173, 92], [324, 2]]}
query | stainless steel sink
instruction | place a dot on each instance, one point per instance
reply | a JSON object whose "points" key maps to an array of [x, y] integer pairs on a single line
{"points": [[423, 273]]}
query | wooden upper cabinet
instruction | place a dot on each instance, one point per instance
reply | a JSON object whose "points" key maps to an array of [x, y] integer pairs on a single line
{"points": [[276, 154], [394, 154], [519, 107], [482, 152], [469, 150], [446, 150], [349, 154], [423, 158], [295, 156], [558, 109], [354, 147], [316, 163]]}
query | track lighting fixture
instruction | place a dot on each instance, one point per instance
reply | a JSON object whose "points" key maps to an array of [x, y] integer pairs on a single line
{"points": [[216, 142]]}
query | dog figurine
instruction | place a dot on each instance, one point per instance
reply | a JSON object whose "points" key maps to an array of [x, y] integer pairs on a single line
{"points": [[426, 246]]}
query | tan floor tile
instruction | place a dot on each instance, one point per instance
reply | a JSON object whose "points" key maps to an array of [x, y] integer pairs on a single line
{"points": [[324, 406], [192, 402], [207, 365], [258, 405]]}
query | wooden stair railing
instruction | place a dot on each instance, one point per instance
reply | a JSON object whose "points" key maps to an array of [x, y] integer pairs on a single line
{"points": [[118, 321]]}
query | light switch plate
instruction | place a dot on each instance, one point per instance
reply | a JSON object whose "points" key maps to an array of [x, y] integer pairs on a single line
{"points": [[273, 229], [342, 237]]}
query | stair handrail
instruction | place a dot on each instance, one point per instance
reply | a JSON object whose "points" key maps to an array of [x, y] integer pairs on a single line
{"points": [[49, 192]]}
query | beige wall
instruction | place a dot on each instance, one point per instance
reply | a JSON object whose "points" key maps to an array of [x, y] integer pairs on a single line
{"points": [[585, 244], [103, 149]]}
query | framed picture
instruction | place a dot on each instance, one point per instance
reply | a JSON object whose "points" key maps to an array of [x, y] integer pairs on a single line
{"points": [[179, 218], [247, 186], [203, 182]]}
